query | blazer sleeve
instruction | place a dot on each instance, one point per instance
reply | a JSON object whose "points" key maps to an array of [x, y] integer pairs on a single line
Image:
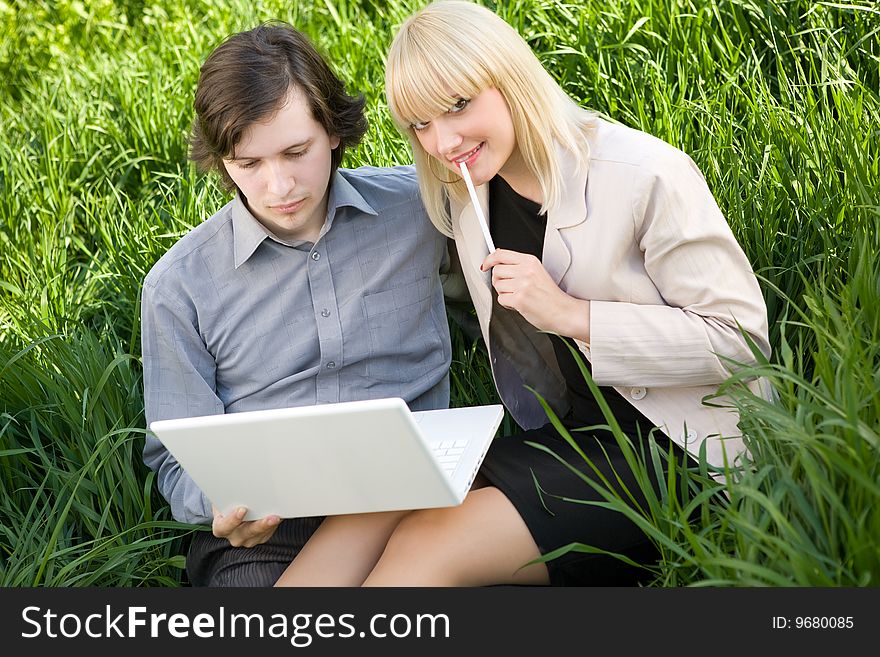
{"points": [[703, 275]]}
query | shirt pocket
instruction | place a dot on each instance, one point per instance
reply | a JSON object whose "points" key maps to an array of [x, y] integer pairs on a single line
{"points": [[405, 340]]}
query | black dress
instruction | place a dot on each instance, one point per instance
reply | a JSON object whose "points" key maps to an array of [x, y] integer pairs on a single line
{"points": [[534, 481]]}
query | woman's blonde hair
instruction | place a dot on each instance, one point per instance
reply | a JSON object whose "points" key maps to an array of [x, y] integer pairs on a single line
{"points": [[463, 48]]}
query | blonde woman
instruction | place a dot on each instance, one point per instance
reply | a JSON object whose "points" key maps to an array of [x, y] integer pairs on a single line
{"points": [[608, 239]]}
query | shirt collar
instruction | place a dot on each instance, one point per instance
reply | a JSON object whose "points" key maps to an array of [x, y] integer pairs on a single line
{"points": [[343, 193], [248, 233]]}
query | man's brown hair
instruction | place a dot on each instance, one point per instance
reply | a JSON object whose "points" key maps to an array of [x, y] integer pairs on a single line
{"points": [[246, 79]]}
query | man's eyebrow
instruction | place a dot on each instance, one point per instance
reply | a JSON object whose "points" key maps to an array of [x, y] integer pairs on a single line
{"points": [[299, 144]]}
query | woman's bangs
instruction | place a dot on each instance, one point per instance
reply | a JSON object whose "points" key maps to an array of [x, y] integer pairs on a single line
{"points": [[415, 95], [422, 87]]}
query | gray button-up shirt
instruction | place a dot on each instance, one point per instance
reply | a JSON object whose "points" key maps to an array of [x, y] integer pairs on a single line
{"points": [[234, 319]]}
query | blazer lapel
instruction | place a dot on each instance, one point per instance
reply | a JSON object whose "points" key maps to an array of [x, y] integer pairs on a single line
{"points": [[572, 211]]}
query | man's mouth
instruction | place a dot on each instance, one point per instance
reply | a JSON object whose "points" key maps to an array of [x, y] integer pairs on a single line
{"points": [[289, 207]]}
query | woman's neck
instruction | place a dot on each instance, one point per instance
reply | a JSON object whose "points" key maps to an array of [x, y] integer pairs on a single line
{"points": [[521, 180]]}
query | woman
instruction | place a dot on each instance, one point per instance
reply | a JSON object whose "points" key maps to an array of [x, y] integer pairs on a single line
{"points": [[605, 236]]}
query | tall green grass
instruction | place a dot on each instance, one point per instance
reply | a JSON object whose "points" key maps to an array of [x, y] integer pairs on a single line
{"points": [[776, 101], [804, 513]]}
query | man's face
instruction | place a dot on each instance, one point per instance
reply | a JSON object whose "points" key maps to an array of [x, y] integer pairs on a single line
{"points": [[282, 167]]}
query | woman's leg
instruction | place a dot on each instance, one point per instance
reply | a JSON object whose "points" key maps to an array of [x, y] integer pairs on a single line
{"points": [[481, 542], [342, 551]]}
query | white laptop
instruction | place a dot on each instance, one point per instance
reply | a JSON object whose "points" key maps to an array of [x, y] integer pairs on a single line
{"points": [[350, 457]]}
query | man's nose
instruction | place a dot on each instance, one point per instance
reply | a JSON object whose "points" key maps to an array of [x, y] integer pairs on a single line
{"points": [[280, 180]]}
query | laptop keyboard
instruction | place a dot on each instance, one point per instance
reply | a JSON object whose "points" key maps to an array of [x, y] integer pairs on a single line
{"points": [[448, 454]]}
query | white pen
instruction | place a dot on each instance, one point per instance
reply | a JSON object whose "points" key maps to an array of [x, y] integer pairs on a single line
{"points": [[484, 226]]}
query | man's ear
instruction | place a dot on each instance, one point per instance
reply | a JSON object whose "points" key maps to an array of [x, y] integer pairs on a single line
{"points": [[334, 142]]}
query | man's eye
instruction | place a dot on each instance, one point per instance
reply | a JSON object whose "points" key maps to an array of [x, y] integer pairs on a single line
{"points": [[460, 104], [247, 164], [420, 125], [296, 154]]}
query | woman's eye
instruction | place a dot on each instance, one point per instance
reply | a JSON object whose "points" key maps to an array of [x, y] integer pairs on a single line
{"points": [[420, 125], [247, 164], [296, 155], [460, 104]]}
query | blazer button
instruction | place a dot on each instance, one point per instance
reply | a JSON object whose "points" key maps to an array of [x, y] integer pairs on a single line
{"points": [[637, 393]]}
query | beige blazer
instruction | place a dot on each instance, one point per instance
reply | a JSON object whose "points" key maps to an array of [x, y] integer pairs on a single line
{"points": [[640, 236]]}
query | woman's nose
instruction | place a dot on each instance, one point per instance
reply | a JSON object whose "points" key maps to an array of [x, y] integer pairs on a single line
{"points": [[448, 139]]}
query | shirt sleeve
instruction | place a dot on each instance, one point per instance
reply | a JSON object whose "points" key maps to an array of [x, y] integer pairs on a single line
{"points": [[459, 307], [179, 381], [710, 290]]}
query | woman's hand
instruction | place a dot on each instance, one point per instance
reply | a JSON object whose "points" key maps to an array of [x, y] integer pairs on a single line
{"points": [[524, 285]]}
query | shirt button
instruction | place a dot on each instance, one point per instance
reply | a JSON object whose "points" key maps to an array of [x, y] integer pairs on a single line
{"points": [[690, 436], [325, 313], [316, 255], [331, 365], [637, 393]]}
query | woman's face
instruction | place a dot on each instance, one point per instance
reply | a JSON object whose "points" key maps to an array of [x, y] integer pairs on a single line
{"points": [[477, 131]]}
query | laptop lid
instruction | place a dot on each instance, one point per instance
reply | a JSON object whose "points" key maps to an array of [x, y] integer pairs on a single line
{"points": [[350, 457]]}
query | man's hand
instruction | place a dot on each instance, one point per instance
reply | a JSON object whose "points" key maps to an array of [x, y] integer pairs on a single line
{"points": [[525, 286], [243, 533]]}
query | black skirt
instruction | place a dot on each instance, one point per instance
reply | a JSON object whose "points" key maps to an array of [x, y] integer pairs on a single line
{"points": [[535, 482]]}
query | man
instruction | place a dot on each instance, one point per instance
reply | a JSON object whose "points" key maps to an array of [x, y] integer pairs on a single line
{"points": [[313, 285]]}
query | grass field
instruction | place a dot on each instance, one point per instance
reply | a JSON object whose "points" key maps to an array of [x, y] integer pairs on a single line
{"points": [[777, 102]]}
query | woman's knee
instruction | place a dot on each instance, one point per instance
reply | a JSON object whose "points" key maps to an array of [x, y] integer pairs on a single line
{"points": [[482, 541], [424, 532], [420, 552]]}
